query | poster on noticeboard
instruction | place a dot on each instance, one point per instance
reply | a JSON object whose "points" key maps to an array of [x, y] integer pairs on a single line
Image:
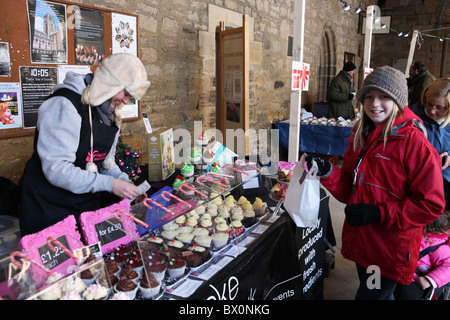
{"points": [[10, 105], [124, 37], [48, 32]]}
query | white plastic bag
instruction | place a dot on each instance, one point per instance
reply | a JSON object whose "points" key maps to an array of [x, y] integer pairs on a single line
{"points": [[302, 200]]}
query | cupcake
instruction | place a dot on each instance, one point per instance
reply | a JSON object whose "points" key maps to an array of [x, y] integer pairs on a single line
{"points": [[246, 205], [179, 180], [95, 292], [185, 229], [155, 239], [206, 223], [241, 200], [53, 292], [259, 207], [175, 244], [196, 154], [200, 209], [157, 269], [192, 222], [219, 239], [188, 170], [88, 275], [211, 206], [202, 139], [208, 157], [216, 199], [186, 237], [180, 220], [215, 167], [218, 220], [120, 296], [112, 267], [149, 286], [170, 226], [237, 216], [249, 218], [137, 265], [129, 273], [127, 286], [277, 191], [204, 241], [222, 227], [199, 232], [74, 284], [176, 267], [236, 228], [223, 211], [71, 296], [169, 235]]}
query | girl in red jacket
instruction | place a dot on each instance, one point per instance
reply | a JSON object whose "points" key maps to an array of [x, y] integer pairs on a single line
{"points": [[391, 181]]}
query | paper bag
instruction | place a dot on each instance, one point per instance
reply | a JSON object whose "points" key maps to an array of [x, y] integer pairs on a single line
{"points": [[302, 200]]}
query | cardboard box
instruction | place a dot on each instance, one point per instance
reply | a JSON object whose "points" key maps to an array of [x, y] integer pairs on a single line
{"points": [[161, 163]]}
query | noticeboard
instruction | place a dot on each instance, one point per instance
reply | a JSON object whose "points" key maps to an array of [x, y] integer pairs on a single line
{"points": [[41, 40]]}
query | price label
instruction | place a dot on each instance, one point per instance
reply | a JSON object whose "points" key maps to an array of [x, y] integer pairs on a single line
{"points": [[50, 258], [109, 230]]}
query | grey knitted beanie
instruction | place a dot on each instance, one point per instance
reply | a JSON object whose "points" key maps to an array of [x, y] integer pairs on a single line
{"points": [[389, 80]]}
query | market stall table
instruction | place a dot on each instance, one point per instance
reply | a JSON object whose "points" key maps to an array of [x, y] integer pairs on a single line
{"points": [[327, 140], [275, 260]]}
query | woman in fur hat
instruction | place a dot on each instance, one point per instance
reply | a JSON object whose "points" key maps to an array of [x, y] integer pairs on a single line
{"points": [[74, 147], [390, 180]]}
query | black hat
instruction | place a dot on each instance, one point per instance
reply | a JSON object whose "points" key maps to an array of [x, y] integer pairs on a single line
{"points": [[349, 66]]}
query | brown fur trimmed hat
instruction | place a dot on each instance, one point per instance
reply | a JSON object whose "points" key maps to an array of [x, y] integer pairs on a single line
{"points": [[117, 72]]}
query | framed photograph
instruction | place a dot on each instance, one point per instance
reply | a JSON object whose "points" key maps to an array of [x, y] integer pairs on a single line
{"points": [[349, 57]]}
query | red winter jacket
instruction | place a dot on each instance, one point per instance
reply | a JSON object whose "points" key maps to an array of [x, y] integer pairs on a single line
{"points": [[404, 179]]}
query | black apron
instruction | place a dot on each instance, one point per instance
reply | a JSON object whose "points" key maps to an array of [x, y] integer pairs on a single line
{"points": [[43, 204]]}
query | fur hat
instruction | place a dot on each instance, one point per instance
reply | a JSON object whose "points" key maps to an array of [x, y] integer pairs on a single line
{"points": [[349, 66], [389, 80], [117, 72]]}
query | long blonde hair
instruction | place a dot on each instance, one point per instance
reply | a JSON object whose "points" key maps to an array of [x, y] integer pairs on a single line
{"points": [[363, 123], [85, 99]]}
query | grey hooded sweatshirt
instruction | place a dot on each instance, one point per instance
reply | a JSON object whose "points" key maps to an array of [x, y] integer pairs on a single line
{"points": [[59, 133]]}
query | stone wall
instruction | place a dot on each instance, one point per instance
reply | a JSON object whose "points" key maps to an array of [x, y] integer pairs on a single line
{"points": [[177, 47], [429, 17]]}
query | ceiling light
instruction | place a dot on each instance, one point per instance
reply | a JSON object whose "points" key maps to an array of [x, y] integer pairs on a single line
{"points": [[346, 6], [358, 10], [400, 34]]}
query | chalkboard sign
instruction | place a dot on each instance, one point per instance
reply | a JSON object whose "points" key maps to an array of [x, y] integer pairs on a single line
{"points": [[36, 246], [109, 230], [50, 258], [109, 226]]}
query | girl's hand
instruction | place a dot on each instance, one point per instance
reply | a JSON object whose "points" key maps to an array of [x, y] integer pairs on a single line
{"points": [[423, 282], [445, 160]]}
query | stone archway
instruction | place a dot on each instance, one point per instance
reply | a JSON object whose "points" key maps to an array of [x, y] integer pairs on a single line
{"points": [[327, 63]]}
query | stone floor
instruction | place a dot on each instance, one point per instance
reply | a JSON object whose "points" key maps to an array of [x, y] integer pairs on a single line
{"points": [[342, 282]]}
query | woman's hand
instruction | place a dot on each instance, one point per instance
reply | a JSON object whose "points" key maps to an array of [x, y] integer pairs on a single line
{"points": [[445, 160], [124, 189]]}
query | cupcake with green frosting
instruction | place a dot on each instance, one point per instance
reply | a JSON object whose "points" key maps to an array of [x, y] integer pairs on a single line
{"points": [[187, 170]]}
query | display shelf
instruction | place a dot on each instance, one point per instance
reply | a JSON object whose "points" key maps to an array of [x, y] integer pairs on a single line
{"points": [[199, 190]]}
